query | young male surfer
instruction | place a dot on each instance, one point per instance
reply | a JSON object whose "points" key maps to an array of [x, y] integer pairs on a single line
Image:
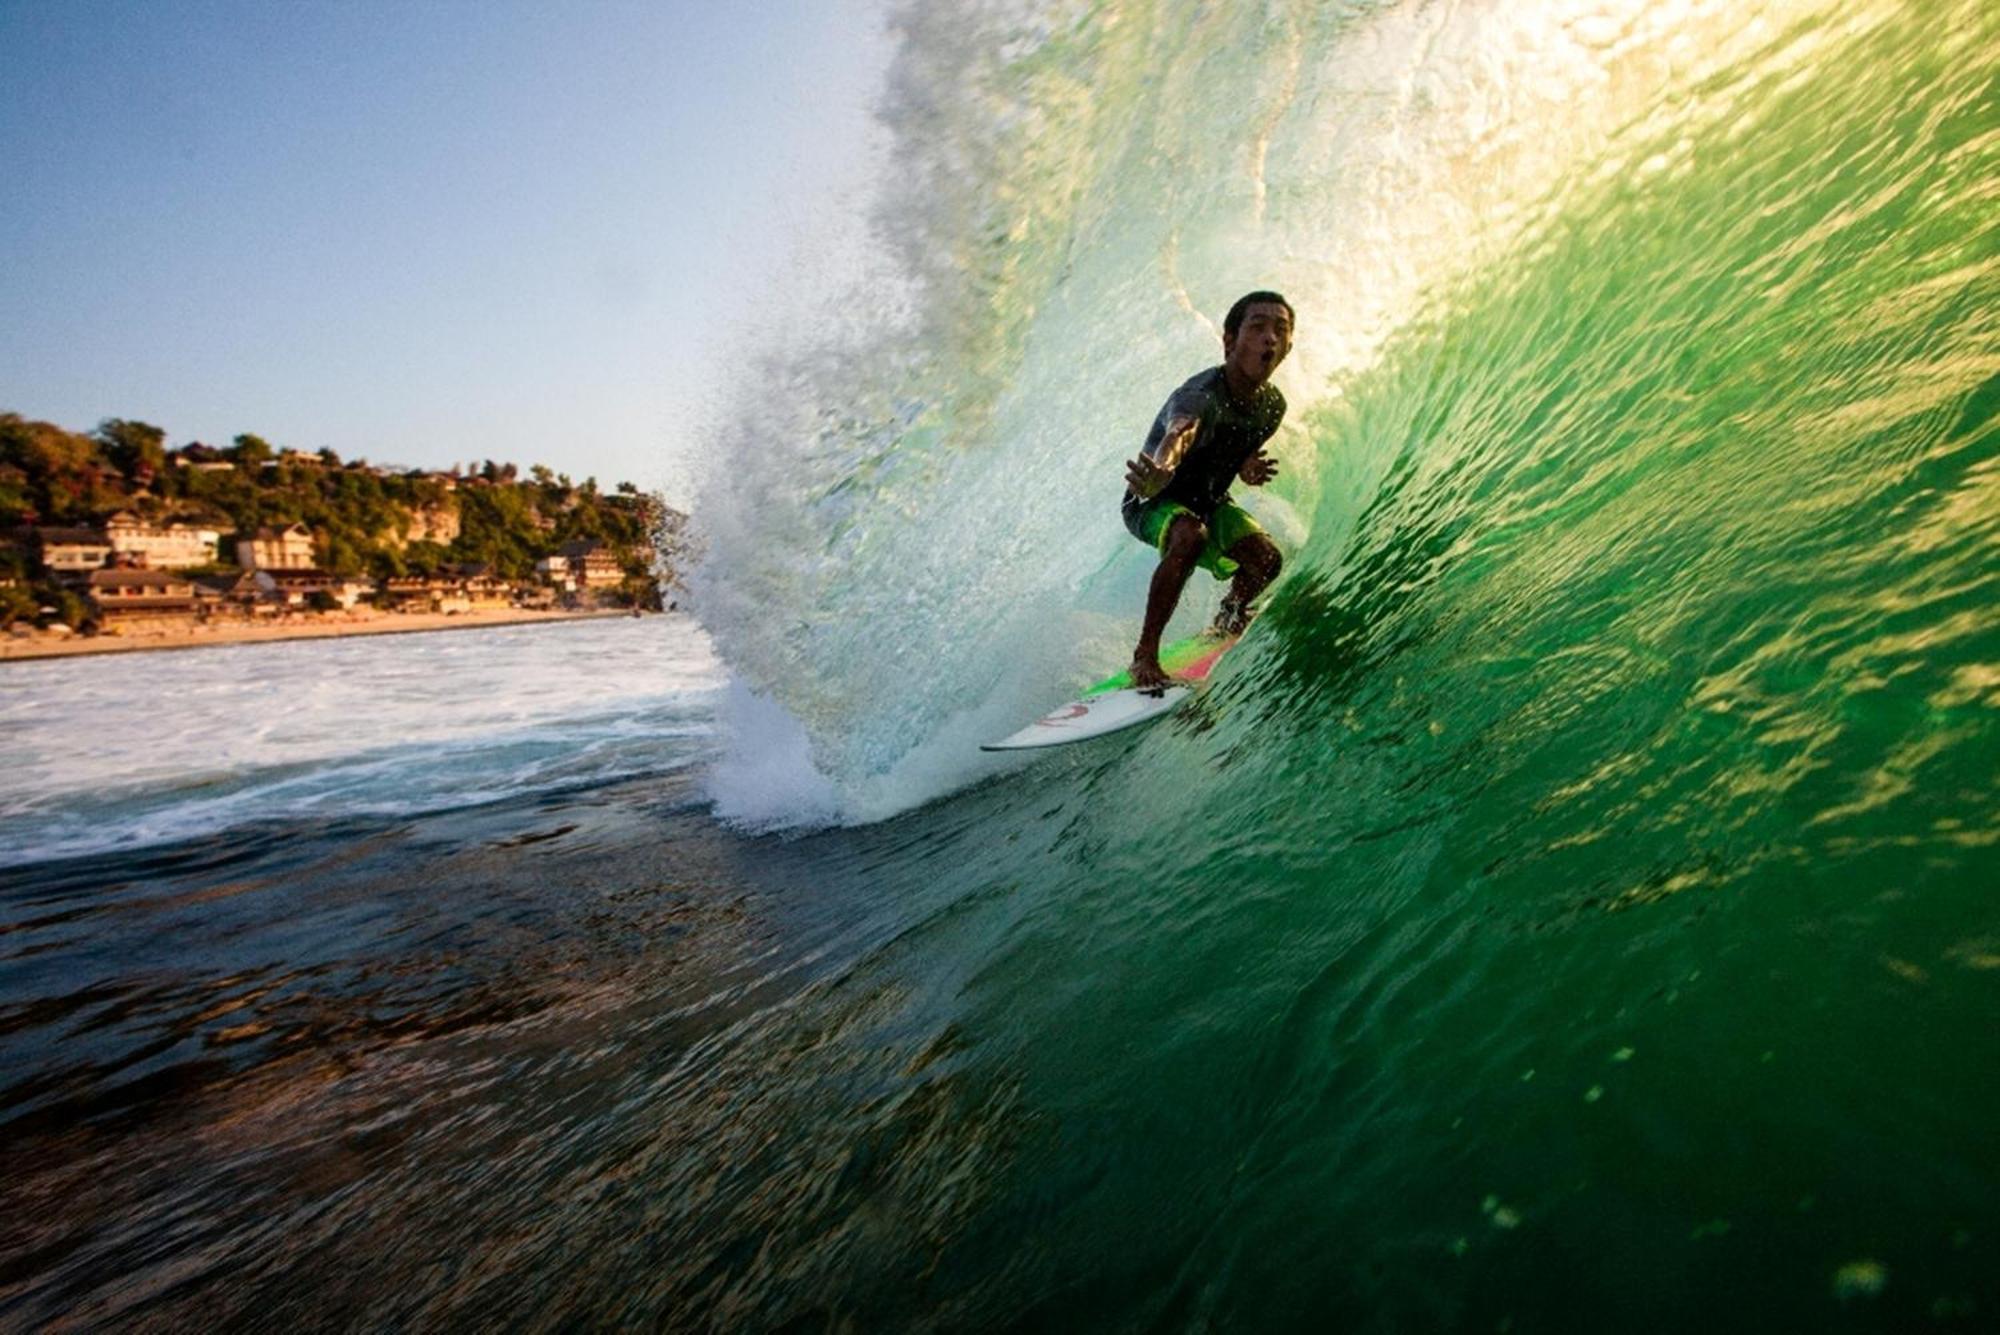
{"points": [[1211, 432]]}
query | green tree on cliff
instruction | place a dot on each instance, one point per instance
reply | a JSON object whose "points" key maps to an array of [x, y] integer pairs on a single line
{"points": [[132, 446], [252, 452]]}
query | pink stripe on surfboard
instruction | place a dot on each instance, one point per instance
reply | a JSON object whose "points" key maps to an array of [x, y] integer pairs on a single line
{"points": [[1199, 669]]}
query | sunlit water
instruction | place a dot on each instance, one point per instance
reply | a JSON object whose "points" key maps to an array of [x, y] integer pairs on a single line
{"points": [[1571, 908]]}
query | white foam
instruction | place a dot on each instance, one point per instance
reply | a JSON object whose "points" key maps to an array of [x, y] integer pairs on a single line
{"points": [[765, 780], [127, 750]]}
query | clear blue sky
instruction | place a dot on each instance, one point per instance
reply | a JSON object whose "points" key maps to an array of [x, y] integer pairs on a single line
{"points": [[418, 231]]}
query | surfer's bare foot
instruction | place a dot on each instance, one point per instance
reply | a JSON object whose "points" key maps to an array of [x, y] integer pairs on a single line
{"points": [[1231, 618], [1147, 674]]}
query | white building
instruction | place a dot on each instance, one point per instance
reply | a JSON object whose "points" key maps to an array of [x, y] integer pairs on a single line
{"points": [[70, 554], [162, 546], [555, 572], [295, 588], [592, 564], [287, 548]]}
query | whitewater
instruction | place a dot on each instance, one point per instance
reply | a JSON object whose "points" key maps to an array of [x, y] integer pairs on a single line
{"points": [[1569, 908]]}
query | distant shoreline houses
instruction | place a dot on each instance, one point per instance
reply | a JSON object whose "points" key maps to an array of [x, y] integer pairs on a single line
{"points": [[130, 571], [113, 527]]}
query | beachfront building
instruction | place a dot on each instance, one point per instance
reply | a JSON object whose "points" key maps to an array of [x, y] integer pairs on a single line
{"points": [[71, 554], [554, 572], [426, 593], [172, 546], [295, 588], [348, 590], [407, 593], [287, 548], [593, 565], [292, 587], [483, 588], [123, 595], [235, 594], [538, 597]]}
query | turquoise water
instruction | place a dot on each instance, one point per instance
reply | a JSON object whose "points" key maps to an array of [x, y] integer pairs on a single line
{"points": [[1570, 908]]}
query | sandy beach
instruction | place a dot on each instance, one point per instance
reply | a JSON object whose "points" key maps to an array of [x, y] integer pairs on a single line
{"points": [[21, 646]]}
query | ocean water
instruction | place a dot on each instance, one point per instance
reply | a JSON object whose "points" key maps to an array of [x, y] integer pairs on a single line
{"points": [[131, 751], [1571, 908]]}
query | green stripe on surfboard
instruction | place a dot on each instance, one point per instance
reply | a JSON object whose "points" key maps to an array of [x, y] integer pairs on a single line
{"points": [[1187, 660]]}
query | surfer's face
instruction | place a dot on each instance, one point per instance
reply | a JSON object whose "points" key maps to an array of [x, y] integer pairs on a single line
{"points": [[1260, 342]]}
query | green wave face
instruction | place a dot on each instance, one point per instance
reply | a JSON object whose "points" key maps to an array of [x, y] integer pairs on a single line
{"points": [[1572, 903], [1688, 521]]}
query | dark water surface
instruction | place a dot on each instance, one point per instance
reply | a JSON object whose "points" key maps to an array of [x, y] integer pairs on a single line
{"points": [[592, 1060], [394, 1073]]}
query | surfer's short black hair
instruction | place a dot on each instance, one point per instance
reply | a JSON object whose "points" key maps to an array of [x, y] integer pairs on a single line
{"points": [[1234, 320]]}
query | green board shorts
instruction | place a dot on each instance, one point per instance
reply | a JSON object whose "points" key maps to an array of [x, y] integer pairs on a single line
{"points": [[1229, 525]]}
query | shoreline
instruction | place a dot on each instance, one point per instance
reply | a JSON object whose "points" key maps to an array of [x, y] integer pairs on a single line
{"points": [[323, 626]]}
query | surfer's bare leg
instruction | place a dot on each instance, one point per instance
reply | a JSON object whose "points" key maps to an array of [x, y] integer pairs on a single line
{"points": [[1258, 562], [1185, 538]]}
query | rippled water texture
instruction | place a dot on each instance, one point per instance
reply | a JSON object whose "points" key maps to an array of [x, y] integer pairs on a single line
{"points": [[1571, 908], [128, 751]]}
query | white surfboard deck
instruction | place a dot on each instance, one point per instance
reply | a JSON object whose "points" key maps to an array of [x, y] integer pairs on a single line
{"points": [[1093, 716]]}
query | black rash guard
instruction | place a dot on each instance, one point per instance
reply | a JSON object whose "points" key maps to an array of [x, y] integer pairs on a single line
{"points": [[1230, 432]]}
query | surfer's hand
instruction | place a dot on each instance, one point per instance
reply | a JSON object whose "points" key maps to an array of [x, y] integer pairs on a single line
{"points": [[1146, 478], [1258, 469]]}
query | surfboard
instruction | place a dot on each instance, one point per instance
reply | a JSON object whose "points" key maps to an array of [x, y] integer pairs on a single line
{"points": [[1113, 705]]}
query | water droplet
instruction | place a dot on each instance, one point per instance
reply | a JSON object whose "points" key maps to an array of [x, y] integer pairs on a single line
{"points": [[1860, 1279], [1593, 1094], [1623, 1055]]}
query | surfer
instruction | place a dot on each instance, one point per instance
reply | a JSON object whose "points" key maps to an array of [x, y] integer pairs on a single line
{"points": [[1211, 432]]}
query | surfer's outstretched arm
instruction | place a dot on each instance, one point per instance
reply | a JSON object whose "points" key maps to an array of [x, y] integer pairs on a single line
{"points": [[1149, 474]]}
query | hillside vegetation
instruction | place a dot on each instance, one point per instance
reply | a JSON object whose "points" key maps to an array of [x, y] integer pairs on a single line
{"points": [[365, 519]]}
